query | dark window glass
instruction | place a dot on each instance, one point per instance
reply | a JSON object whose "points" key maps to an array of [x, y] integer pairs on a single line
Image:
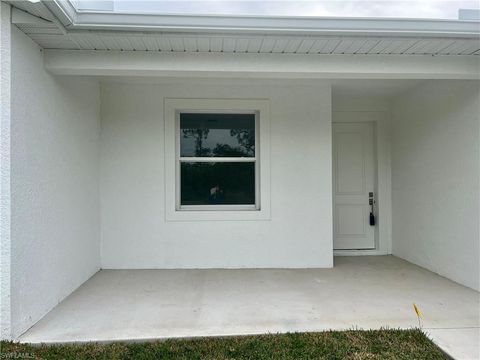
{"points": [[217, 183], [217, 135]]}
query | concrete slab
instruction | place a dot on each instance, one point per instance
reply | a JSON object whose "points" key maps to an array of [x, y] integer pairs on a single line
{"points": [[364, 292], [460, 343]]}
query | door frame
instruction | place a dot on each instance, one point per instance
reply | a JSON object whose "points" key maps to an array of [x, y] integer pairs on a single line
{"points": [[382, 147]]}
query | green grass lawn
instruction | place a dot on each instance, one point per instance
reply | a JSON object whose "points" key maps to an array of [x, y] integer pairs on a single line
{"points": [[353, 344]]}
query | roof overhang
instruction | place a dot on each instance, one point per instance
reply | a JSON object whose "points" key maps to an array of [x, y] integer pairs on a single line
{"points": [[108, 43], [74, 19]]}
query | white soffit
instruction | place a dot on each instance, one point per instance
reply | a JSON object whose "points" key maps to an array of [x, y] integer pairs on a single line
{"points": [[65, 28]]}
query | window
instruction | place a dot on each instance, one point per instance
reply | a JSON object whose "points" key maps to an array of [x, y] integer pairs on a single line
{"points": [[217, 159], [217, 167]]}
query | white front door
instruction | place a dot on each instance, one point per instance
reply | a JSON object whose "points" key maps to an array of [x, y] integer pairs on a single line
{"points": [[353, 183]]}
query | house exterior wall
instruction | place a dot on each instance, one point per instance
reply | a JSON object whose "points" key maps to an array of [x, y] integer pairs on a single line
{"points": [[134, 229], [5, 206], [435, 179], [54, 184]]}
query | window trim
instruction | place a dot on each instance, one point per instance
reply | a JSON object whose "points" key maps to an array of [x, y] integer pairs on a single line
{"points": [[179, 159], [261, 209]]}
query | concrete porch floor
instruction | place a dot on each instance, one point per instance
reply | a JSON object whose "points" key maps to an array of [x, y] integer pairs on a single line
{"points": [[364, 292]]}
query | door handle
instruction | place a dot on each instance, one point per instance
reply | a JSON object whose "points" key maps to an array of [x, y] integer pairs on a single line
{"points": [[371, 202]]}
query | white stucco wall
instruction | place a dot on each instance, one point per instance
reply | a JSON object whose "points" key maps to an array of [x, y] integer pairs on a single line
{"points": [[435, 178], [54, 184], [134, 232], [5, 117]]}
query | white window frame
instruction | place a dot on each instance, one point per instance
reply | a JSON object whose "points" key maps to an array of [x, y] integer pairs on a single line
{"points": [[179, 159], [173, 209]]}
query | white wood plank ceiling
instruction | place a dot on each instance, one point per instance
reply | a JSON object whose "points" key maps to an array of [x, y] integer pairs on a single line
{"points": [[49, 34]]}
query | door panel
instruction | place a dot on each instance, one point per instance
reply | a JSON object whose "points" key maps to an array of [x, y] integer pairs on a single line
{"points": [[350, 220], [349, 164], [353, 179]]}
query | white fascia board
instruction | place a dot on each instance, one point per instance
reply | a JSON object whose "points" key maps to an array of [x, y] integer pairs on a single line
{"points": [[63, 10], [170, 64], [280, 25]]}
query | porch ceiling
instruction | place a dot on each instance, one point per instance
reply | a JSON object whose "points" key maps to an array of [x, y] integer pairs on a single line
{"points": [[51, 27], [366, 292]]}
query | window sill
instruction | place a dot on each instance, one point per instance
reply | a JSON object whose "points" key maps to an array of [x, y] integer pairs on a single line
{"points": [[218, 208], [218, 215]]}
